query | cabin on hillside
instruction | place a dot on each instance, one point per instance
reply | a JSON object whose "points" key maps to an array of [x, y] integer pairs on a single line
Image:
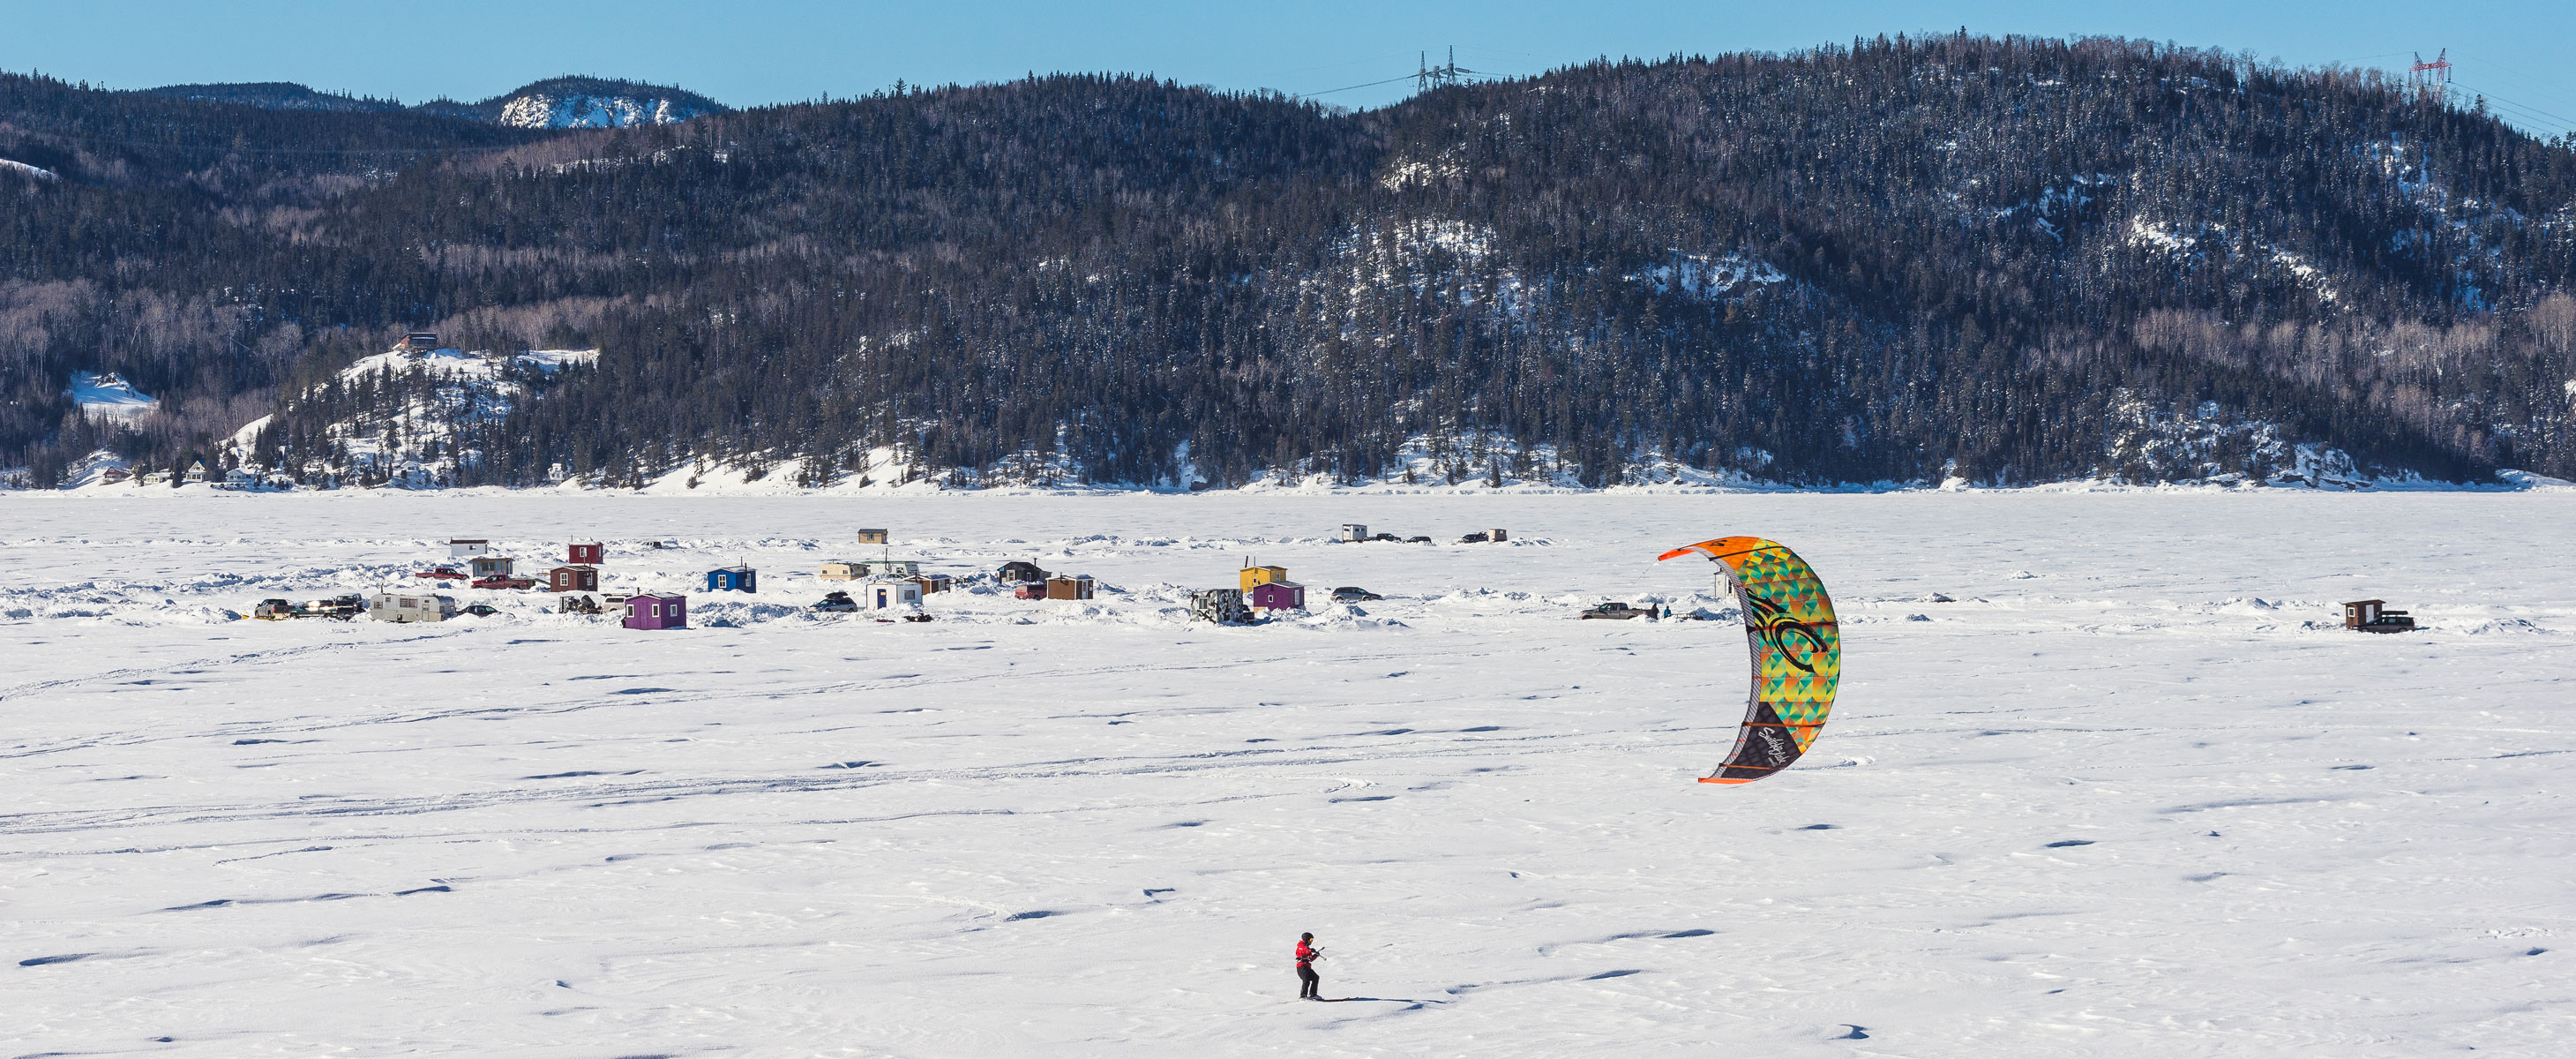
{"points": [[419, 342], [649, 611], [737, 578]]}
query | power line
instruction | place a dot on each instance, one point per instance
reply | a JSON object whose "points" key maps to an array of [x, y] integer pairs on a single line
{"points": [[2526, 108]]}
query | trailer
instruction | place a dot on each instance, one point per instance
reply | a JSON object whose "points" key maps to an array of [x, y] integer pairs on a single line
{"points": [[410, 607]]}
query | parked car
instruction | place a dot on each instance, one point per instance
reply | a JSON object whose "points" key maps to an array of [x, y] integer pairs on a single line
{"points": [[1619, 611], [1354, 594], [506, 582], [337, 608], [276, 610], [1417, 540], [836, 603], [1031, 590], [1386, 537], [1478, 537], [443, 573], [481, 610]]}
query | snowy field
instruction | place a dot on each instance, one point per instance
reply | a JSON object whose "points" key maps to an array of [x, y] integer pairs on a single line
{"points": [[2131, 794]]}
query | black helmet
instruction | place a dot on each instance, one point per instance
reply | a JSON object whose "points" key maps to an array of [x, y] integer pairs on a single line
{"points": [[1307, 936]]}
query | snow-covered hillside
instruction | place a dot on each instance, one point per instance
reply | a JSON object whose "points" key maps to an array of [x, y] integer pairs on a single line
{"points": [[412, 443], [108, 395], [592, 112], [2104, 780]]}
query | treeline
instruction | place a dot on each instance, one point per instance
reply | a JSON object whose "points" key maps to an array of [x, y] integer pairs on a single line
{"points": [[1898, 260]]}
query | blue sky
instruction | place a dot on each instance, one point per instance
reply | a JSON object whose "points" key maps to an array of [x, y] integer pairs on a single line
{"points": [[768, 51]]}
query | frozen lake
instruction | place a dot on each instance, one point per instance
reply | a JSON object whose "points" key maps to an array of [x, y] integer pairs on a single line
{"points": [[2132, 792]]}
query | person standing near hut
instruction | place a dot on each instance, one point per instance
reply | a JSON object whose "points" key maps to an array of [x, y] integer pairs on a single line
{"points": [[1310, 986]]}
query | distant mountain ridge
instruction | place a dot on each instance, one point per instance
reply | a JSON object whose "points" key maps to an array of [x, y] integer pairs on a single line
{"points": [[1908, 260], [555, 103]]}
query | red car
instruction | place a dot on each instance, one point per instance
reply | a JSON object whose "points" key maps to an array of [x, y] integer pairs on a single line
{"points": [[1031, 590], [443, 573], [506, 582]]}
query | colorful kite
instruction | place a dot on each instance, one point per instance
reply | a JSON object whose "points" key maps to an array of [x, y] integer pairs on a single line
{"points": [[1797, 652]]}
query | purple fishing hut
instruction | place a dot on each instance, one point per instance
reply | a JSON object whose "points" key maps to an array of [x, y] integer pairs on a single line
{"points": [[657, 612]]}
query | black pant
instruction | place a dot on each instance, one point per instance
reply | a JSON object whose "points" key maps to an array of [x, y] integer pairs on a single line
{"points": [[1310, 987]]}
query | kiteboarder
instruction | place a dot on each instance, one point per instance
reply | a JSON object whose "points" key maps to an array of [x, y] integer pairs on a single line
{"points": [[1310, 986]]}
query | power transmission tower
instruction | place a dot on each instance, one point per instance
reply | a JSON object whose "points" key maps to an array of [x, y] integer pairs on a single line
{"points": [[1429, 77], [2432, 79]]}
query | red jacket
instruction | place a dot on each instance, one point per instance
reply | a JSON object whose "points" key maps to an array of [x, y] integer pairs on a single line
{"points": [[1306, 954]]}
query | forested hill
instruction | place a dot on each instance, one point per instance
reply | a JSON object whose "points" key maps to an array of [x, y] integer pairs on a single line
{"points": [[2007, 261]]}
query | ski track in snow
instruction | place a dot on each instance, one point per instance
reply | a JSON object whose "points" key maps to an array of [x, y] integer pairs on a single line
{"points": [[2128, 792]]}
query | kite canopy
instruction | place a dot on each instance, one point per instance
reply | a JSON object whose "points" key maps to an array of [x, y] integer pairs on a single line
{"points": [[1797, 652]]}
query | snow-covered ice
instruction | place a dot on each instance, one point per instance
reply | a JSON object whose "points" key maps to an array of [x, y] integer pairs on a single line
{"points": [[2126, 790]]}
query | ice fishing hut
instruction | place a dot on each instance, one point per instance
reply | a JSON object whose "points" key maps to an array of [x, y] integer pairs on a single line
{"points": [[584, 554], [1354, 532], [573, 579], [1016, 572], [408, 607], [1261, 575], [889, 595], [649, 611], [1276, 595], [2373, 615], [736, 578], [843, 570], [872, 536], [467, 547], [895, 568], [1223, 606], [1068, 587], [492, 566], [934, 582], [1498, 536], [419, 342]]}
